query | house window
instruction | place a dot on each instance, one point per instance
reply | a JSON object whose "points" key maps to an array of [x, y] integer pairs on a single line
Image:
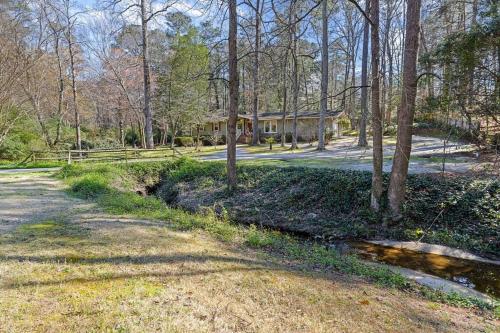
{"points": [[216, 127], [270, 126]]}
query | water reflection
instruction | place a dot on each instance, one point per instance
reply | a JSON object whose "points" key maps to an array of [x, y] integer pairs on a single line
{"points": [[483, 277]]}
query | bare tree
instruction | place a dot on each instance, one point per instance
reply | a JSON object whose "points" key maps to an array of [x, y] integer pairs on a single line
{"points": [[362, 142], [69, 17], [13, 64], [406, 112], [255, 73], [378, 157], [324, 75], [233, 95], [57, 34], [147, 12], [295, 72]]}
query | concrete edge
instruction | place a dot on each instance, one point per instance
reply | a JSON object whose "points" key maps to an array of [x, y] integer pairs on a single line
{"points": [[434, 249], [437, 283]]}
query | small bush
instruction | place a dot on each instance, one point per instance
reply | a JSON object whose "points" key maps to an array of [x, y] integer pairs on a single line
{"points": [[329, 135], [259, 238], [13, 149], [132, 138], [106, 143], [86, 145], [90, 185], [213, 140], [495, 141], [184, 141], [270, 141], [391, 130]]}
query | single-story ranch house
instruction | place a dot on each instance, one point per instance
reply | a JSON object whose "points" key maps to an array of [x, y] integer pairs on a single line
{"points": [[271, 124]]}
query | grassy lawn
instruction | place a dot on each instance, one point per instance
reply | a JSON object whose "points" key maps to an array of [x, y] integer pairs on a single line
{"points": [[130, 264], [277, 149], [337, 162], [201, 151]]}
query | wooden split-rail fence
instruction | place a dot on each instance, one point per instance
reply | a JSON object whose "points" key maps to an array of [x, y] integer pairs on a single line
{"points": [[102, 155]]}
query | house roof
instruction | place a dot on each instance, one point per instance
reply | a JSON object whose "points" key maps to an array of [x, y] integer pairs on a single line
{"points": [[303, 115], [276, 116]]}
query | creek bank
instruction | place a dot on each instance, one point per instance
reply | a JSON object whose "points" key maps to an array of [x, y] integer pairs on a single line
{"points": [[328, 204]]}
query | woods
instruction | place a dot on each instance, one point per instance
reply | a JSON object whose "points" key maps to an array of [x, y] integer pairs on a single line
{"points": [[249, 165], [149, 72]]}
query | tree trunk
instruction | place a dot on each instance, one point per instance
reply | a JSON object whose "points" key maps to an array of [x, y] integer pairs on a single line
{"points": [[390, 61], [295, 80], [362, 142], [255, 73], [324, 77], [344, 93], [73, 81], [148, 115], [285, 100], [378, 157], [406, 112], [471, 70], [197, 137], [306, 91], [173, 132], [60, 96], [233, 96], [390, 83], [45, 131], [352, 93]]}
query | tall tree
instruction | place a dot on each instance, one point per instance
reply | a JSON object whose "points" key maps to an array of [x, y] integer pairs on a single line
{"points": [[362, 142], [255, 74], [233, 95], [148, 114], [399, 173], [324, 75], [57, 32], [70, 19], [295, 71], [378, 157], [147, 11]]}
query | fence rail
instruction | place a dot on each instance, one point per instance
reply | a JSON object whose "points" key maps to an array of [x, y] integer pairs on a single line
{"points": [[102, 155]]}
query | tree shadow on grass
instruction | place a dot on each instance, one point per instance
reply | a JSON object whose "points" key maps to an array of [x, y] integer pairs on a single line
{"points": [[425, 319], [137, 260], [125, 276]]}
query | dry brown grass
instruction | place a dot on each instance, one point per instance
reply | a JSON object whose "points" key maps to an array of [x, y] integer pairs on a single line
{"points": [[83, 271]]}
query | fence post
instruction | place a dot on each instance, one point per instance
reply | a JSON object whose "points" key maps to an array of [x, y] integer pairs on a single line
{"points": [[69, 156], [126, 157]]}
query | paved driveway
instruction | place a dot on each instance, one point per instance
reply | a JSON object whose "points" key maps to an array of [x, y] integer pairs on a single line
{"points": [[345, 154]]}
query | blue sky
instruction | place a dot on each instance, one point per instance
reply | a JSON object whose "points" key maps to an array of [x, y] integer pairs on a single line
{"points": [[85, 3]]}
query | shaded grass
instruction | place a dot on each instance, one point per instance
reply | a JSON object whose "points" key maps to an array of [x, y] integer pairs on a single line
{"points": [[110, 187], [31, 165]]}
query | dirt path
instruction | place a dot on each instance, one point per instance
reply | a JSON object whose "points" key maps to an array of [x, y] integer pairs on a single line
{"points": [[65, 266], [26, 197]]}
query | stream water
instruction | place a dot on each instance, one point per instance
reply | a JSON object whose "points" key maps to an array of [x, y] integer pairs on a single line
{"points": [[483, 277]]}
